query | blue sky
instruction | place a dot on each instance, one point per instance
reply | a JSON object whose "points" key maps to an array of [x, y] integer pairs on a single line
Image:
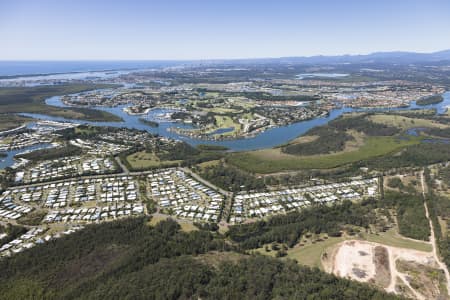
{"points": [[197, 29]]}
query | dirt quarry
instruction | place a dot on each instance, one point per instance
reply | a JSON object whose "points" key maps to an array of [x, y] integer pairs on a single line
{"points": [[354, 260], [386, 267]]}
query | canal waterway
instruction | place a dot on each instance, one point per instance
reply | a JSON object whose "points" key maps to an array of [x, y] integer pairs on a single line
{"points": [[270, 138]]}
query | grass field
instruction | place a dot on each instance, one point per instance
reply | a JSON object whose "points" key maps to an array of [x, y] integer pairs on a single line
{"points": [[221, 123], [85, 130], [32, 100], [273, 160], [392, 238], [215, 258], [186, 225], [311, 253], [227, 122], [142, 160], [222, 110], [11, 121], [224, 122], [303, 139], [443, 225], [403, 122], [417, 112], [207, 164]]}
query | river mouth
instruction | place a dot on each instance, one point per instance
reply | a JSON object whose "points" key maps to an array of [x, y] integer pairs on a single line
{"points": [[272, 137]]}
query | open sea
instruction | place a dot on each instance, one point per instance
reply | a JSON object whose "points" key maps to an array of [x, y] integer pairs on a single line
{"points": [[16, 68]]}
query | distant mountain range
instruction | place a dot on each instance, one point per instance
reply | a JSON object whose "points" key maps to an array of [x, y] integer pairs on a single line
{"points": [[398, 57], [380, 57]]}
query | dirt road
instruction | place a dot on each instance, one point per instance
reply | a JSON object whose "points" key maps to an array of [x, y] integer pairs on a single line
{"points": [[433, 238]]}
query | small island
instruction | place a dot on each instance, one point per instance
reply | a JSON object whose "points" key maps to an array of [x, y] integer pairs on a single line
{"points": [[205, 147], [433, 99], [149, 122]]}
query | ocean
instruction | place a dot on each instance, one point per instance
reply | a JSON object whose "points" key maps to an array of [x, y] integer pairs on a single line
{"points": [[15, 68]]}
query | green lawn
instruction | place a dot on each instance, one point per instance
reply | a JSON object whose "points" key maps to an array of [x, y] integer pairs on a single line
{"points": [[311, 254], [221, 122], [392, 238], [144, 160], [273, 160], [227, 122]]}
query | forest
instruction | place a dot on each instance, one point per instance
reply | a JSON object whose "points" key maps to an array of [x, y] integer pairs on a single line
{"points": [[439, 207], [434, 99], [333, 136], [439, 132], [52, 153], [129, 259], [230, 178], [410, 212], [413, 156], [360, 123], [329, 140], [11, 231], [289, 228]]}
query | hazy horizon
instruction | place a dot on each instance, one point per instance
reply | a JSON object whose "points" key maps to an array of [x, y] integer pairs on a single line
{"points": [[48, 30], [218, 59]]}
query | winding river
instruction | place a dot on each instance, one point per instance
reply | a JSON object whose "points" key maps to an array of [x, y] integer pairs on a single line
{"points": [[269, 138]]}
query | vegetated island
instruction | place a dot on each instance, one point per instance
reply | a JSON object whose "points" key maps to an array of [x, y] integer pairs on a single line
{"points": [[149, 122], [434, 99], [205, 147]]}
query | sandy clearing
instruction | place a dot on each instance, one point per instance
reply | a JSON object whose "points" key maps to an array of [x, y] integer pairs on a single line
{"points": [[354, 259]]}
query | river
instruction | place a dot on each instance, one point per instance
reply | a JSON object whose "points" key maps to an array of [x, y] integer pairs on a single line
{"points": [[269, 138], [8, 161]]}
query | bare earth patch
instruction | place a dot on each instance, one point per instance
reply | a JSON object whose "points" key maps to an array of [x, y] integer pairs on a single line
{"points": [[353, 260], [393, 269], [382, 269], [305, 139]]}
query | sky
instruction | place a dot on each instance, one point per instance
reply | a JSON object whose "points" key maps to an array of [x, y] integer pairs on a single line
{"points": [[217, 29]]}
